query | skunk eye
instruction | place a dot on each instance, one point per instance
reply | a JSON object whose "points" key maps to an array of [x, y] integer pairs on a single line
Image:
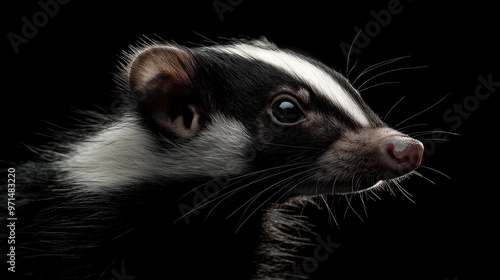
{"points": [[286, 111]]}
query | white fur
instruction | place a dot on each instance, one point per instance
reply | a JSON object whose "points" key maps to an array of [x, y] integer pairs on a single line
{"points": [[320, 81], [125, 154]]}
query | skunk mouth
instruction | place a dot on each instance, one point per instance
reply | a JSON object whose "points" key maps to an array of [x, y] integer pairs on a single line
{"points": [[316, 185], [377, 185], [381, 184]]}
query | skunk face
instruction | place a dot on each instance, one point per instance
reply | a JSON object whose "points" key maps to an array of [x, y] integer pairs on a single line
{"points": [[251, 109]]}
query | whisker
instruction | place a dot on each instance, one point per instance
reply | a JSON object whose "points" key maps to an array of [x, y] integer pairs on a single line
{"points": [[361, 195], [389, 71], [284, 186], [202, 185], [331, 214], [224, 197], [349, 55], [437, 171], [305, 179], [275, 168], [242, 177], [372, 192], [403, 191], [251, 200], [228, 194], [413, 125], [378, 65], [349, 205], [354, 66], [425, 110], [420, 133], [208, 200], [379, 84], [390, 189], [253, 182], [392, 108], [434, 139], [423, 177], [260, 206]]}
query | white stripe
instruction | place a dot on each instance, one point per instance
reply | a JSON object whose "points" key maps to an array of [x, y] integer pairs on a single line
{"points": [[125, 154], [320, 81]]}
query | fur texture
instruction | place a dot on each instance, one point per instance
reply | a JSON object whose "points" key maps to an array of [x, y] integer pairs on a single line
{"points": [[215, 149]]}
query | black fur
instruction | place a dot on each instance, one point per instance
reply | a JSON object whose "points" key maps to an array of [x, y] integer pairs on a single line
{"points": [[139, 231]]}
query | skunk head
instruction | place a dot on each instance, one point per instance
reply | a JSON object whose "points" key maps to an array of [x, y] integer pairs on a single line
{"points": [[247, 109]]}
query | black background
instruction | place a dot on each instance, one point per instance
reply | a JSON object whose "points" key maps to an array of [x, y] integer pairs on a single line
{"points": [[448, 233]]}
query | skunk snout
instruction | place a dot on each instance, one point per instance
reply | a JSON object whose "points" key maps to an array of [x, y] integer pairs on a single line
{"points": [[400, 155]]}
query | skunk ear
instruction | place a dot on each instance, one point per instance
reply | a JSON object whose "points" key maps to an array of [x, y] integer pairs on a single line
{"points": [[160, 80]]}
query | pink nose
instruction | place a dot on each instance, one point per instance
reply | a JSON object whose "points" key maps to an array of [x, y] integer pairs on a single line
{"points": [[400, 155]]}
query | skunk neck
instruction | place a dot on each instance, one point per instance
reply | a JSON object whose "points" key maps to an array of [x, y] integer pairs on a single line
{"points": [[116, 155], [126, 154]]}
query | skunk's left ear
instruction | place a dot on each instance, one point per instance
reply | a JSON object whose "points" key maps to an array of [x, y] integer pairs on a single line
{"points": [[160, 80]]}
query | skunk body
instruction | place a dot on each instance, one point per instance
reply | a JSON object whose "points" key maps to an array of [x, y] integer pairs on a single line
{"points": [[212, 151]]}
